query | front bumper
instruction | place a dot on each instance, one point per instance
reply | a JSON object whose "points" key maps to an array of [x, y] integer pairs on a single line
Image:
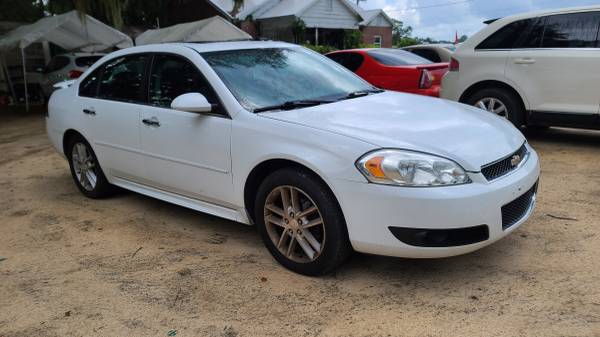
{"points": [[370, 210]]}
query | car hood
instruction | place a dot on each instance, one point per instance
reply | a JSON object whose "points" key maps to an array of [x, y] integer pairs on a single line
{"points": [[470, 136]]}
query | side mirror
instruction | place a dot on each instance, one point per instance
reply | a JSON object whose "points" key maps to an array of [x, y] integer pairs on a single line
{"points": [[191, 102]]}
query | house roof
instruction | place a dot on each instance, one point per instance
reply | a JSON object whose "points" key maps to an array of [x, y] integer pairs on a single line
{"points": [[370, 15], [278, 8], [222, 7]]}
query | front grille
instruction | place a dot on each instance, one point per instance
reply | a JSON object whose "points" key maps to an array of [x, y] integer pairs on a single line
{"points": [[505, 165], [516, 209]]}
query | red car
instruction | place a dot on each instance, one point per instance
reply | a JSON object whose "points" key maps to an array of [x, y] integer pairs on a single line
{"points": [[393, 69]]}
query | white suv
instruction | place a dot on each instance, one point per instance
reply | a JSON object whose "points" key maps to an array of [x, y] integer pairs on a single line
{"points": [[539, 68]]}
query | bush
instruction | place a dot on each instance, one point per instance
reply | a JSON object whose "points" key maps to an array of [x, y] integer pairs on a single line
{"points": [[321, 49]]}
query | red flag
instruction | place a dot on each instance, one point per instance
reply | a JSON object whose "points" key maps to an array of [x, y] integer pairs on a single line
{"points": [[456, 37]]}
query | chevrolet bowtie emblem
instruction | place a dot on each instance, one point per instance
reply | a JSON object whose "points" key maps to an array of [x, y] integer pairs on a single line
{"points": [[515, 160]]}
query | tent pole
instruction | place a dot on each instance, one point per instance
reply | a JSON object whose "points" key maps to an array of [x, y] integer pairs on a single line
{"points": [[7, 75], [25, 80]]}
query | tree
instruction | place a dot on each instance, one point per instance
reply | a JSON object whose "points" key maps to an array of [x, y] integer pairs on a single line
{"points": [[21, 10], [399, 31], [108, 11], [299, 30]]}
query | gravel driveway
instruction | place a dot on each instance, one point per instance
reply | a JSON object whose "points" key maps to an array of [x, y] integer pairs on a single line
{"points": [[135, 266]]}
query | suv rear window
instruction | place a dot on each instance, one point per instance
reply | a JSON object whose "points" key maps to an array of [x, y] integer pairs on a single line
{"points": [[506, 37], [394, 57], [577, 30], [87, 61]]}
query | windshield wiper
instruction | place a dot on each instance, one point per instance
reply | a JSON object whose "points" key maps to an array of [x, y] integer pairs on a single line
{"points": [[289, 105], [361, 93]]}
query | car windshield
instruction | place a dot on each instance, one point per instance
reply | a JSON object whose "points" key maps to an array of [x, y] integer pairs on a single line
{"points": [[396, 57], [271, 77]]}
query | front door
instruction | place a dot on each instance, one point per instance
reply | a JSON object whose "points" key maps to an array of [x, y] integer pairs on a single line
{"points": [[185, 153], [556, 65]]}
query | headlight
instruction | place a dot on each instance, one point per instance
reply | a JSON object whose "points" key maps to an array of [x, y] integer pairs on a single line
{"points": [[407, 168]]}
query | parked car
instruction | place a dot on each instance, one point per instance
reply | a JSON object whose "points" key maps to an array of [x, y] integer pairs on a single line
{"points": [[435, 53], [393, 69], [275, 135], [535, 69], [66, 67]]}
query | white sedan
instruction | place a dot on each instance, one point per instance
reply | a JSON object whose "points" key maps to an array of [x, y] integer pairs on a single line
{"points": [[275, 135]]}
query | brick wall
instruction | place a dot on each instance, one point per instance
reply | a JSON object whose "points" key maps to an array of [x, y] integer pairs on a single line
{"points": [[369, 34]]}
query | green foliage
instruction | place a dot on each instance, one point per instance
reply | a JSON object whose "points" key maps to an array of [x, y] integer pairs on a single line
{"points": [[352, 39], [320, 48], [299, 30], [21, 10], [399, 31], [108, 11], [407, 41]]}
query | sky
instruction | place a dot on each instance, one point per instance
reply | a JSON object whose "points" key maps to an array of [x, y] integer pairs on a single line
{"points": [[440, 19]]}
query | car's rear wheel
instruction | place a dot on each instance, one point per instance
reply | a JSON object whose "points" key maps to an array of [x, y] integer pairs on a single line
{"points": [[301, 223], [86, 170], [500, 102]]}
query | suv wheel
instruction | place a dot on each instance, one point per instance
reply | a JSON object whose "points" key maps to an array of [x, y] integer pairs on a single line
{"points": [[501, 102], [301, 223], [86, 170]]}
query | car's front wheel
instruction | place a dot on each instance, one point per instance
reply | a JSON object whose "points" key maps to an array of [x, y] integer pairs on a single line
{"points": [[501, 102], [301, 223], [86, 170]]}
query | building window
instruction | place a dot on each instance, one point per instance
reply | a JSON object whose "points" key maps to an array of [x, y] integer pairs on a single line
{"points": [[377, 41]]}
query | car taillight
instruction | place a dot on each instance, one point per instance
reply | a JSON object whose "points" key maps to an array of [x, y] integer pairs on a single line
{"points": [[454, 64], [73, 74], [426, 79]]}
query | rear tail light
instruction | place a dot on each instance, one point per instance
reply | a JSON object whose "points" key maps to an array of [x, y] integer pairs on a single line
{"points": [[454, 64], [73, 74], [426, 79]]}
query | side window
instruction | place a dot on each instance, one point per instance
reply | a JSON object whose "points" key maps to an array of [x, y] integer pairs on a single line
{"points": [[429, 54], [172, 76], [532, 38], [578, 30], [89, 85], [122, 79], [505, 37]]}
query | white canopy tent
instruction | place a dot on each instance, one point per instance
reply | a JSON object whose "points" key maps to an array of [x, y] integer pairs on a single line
{"points": [[70, 31], [207, 30]]}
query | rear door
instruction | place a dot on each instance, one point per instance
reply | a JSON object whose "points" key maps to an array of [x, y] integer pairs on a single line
{"points": [[111, 99], [555, 64], [185, 153]]}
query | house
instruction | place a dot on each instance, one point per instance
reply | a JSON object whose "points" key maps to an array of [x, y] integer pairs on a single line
{"points": [[324, 22]]}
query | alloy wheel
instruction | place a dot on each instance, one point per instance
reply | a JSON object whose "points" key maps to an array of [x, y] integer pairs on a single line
{"points": [[294, 224], [493, 105], [84, 166]]}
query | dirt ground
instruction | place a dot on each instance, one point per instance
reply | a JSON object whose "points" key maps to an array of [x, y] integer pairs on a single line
{"points": [[135, 266]]}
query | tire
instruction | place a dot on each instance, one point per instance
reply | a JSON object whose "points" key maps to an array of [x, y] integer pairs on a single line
{"points": [[101, 188], [331, 235], [515, 112]]}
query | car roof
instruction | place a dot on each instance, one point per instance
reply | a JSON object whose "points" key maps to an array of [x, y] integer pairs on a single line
{"points": [[432, 45], [549, 12], [208, 46]]}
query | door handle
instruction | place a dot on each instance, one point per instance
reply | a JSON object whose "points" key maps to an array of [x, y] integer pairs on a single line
{"points": [[525, 61], [89, 111], [151, 122]]}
